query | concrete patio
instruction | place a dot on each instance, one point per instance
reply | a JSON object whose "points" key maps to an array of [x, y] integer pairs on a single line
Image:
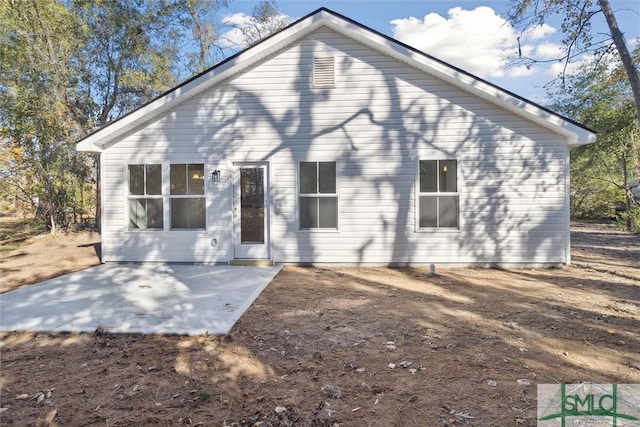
{"points": [[137, 298]]}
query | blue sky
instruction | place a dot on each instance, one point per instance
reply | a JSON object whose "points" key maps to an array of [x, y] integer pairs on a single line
{"points": [[444, 29]]}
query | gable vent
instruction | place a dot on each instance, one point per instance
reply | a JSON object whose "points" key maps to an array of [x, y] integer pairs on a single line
{"points": [[324, 71]]}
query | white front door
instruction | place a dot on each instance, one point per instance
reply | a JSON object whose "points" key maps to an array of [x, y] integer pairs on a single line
{"points": [[251, 210]]}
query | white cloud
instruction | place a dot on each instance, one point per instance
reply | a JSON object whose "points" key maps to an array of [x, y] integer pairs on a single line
{"points": [[559, 68], [549, 50], [479, 41], [234, 37], [520, 71], [582, 62], [245, 30], [539, 32]]}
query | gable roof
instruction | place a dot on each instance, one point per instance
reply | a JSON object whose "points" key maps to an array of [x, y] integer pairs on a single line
{"points": [[575, 133]]}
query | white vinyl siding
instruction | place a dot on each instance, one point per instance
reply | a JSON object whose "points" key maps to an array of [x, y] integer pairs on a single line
{"points": [[380, 118]]}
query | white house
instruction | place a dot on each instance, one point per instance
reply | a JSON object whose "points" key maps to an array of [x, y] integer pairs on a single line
{"points": [[329, 142]]}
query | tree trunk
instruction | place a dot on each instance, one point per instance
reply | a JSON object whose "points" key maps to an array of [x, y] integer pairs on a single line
{"points": [[627, 62], [627, 195], [52, 211]]}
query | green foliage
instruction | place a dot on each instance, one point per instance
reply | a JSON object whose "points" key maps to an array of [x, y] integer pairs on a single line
{"points": [[600, 98], [593, 194], [204, 395], [128, 57], [36, 101], [629, 217], [579, 45], [68, 67]]}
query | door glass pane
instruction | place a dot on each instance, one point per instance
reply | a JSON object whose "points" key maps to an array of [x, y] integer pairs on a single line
{"points": [[252, 205], [178, 179], [308, 177], [136, 179], [196, 179], [327, 177], [448, 210], [448, 176], [328, 212], [154, 179], [428, 211], [428, 176]]}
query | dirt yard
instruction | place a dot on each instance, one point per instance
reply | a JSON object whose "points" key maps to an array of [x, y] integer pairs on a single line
{"points": [[25, 260], [342, 347]]}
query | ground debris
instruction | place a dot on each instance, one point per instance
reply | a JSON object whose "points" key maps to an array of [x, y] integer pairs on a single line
{"points": [[511, 325], [457, 415], [460, 415], [332, 391], [635, 365]]}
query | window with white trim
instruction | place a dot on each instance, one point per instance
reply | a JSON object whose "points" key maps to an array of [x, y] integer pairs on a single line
{"points": [[438, 198], [187, 196], [145, 196], [318, 197]]}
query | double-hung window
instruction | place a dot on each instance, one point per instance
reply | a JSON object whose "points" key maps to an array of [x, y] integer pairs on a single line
{"points": [[438, 199], [187, 196], [318, 197], [145, 196]]}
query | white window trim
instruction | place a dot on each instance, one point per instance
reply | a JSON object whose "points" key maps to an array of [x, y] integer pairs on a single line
{"points": [[166, 196], [417, 194], [336, 195]]}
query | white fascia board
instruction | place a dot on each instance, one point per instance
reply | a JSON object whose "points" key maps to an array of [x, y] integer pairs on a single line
{"points": [[100, 139], [574, 134]]}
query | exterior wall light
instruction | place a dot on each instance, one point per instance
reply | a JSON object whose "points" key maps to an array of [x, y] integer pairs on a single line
{"points": [[215, 176]]}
